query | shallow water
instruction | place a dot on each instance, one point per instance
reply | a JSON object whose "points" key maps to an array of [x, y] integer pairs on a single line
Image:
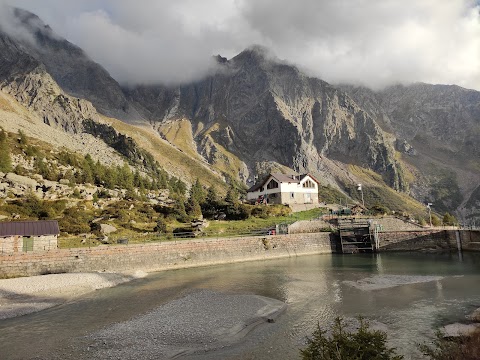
{"points": [[408, 295]]}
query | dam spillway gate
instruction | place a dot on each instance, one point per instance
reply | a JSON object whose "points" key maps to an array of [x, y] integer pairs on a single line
{"points": [[357, 236]]}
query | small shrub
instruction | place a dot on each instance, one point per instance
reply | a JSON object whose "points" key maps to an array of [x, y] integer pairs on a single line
{"points": [[449, 220], [22, 138], [260, 211], [237, 212], [364, 344], [75, 221], [379, 209], [161, 226], [435, 220]]}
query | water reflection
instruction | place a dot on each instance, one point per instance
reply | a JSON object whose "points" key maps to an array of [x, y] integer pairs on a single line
{"points": [[316, 289]]}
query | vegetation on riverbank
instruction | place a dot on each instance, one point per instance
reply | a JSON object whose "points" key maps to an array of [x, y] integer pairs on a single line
{"points": [[460, 348], [342, 344]]}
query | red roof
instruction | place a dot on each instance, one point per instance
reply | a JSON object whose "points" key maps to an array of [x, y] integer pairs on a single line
{"points": [[29, 228]]}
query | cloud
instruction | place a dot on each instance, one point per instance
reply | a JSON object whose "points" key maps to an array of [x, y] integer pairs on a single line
{"points": [[12, 26], [360, 41]]}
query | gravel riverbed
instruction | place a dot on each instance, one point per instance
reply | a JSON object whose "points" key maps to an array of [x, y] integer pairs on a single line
{"points": [[21, 296], [200, 322], [197, 323]]}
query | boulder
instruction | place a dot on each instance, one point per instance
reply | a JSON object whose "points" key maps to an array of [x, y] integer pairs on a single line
{"points": [[50, 184], [457, 329], [64, 181], [18, 192], [107, 229], [21, 180], [474, 316]]}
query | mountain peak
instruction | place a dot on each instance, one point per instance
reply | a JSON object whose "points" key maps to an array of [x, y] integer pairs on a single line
{"points": [[31, 22], [258, 53]]}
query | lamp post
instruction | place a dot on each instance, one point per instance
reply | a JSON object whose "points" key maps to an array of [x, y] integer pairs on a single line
{"points": [[359, 188], [429, 207]]}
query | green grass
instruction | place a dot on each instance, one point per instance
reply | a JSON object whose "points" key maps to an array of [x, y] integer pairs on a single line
{"points": [[330, 195], [216, 228]]}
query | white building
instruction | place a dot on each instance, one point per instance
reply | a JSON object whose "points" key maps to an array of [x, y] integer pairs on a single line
{"points": [[285, 189]]}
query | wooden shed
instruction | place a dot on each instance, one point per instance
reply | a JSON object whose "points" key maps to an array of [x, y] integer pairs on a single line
{"points": [[27, 236]]}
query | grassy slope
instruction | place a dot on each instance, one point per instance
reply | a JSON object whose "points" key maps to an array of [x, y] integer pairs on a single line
{"points": [[173, 160], [180, 134], [376, 191], [226, 162]]}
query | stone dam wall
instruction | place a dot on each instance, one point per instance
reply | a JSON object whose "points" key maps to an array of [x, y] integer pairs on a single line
{"points": [[425, 240], [164, 255], [202, 252]]}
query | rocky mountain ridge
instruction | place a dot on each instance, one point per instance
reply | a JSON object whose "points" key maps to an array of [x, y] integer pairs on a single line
{"points": [[256, 111], [262, 110]]}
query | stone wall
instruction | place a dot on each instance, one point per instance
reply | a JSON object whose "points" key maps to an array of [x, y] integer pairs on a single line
{"points": [[470, 240], [429, 240], [165, 255], [308, 226], [10, 244], [189, 253], [15, 244], [390, 223], [46, 242]]}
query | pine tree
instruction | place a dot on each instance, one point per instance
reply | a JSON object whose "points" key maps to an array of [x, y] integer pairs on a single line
{"points": [[212, 198], [179, 208], [197, 192], [193, 209], [5, 160], [449, 220], [99, 173], [111, 177], [435, 220], [362, 344], [232, 196], [125, 177]]}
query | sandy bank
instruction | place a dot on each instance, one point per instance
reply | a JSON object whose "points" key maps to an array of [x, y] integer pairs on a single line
{"points": [[25, 295]]}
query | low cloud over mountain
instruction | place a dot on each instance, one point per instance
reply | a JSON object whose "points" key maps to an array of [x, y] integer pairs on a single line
{"points": [[364, 42]]}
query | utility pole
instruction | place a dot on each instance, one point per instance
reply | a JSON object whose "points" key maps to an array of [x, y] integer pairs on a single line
{"points": [[359, 188], [429, 207]]}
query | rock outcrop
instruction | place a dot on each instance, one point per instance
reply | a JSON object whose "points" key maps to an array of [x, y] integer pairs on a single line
{"points": [[261, 109]]}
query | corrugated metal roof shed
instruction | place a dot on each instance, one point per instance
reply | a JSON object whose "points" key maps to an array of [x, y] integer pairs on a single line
{"points": [[29, 228]]}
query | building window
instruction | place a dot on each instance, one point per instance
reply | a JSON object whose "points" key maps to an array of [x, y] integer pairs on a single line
{"points": [[292, 195], [309, 184], [273, 195], [272, 185]]}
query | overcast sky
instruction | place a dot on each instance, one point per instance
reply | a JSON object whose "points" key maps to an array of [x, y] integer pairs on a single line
{"points": [[369, 42]]}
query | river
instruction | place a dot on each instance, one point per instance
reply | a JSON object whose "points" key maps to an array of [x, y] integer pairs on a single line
{"points": [[406, 294]]}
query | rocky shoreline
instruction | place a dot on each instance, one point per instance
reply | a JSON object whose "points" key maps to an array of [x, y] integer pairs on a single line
{"points": [[461, 329]]}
